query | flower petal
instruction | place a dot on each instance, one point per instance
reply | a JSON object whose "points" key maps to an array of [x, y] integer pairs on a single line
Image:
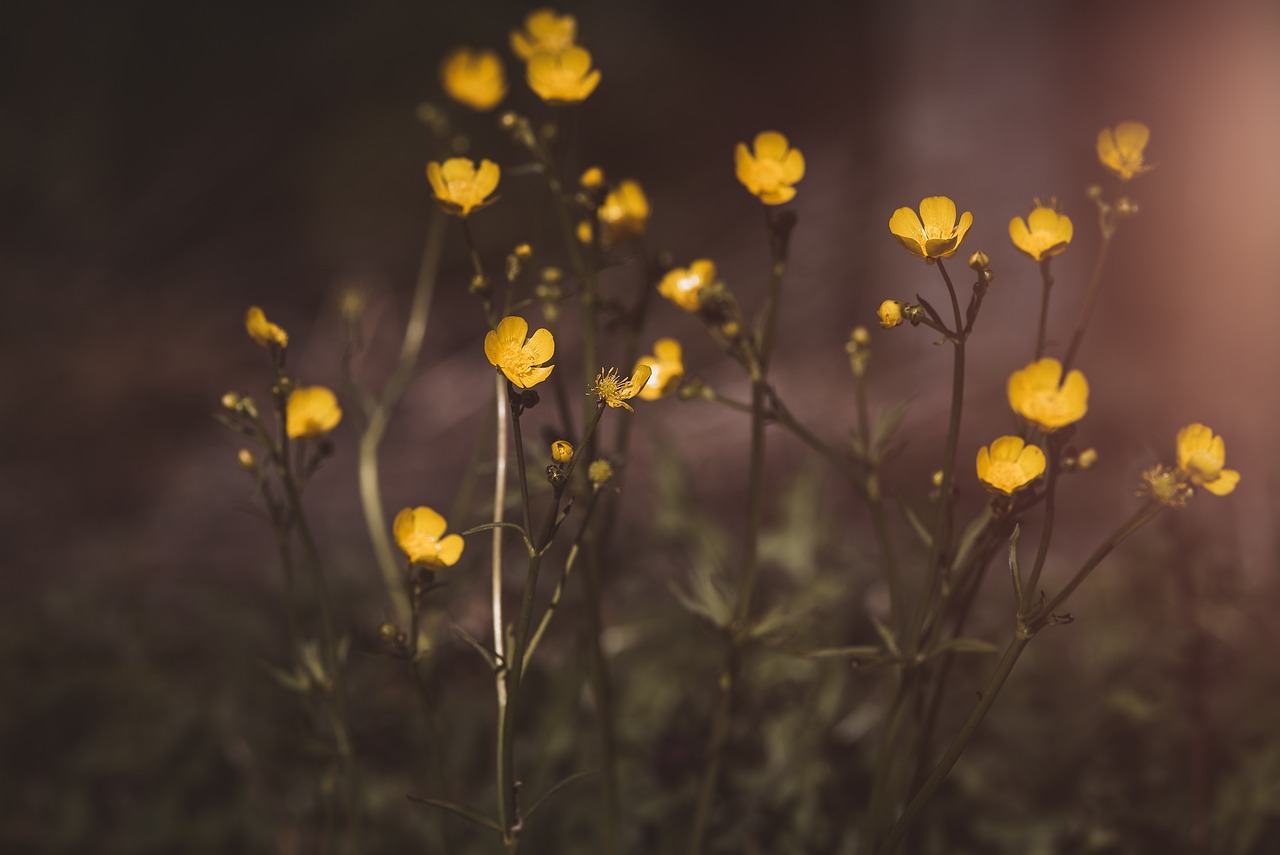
{"points": [[1225, 483], [513, 330], [906, 227], [450, 550], [1007, 448], [770, 145], [938, 214], [486, 178], [667, 349], [541, 347], [1032, 462], [1131, 138], [793, 166], [532, 377]]}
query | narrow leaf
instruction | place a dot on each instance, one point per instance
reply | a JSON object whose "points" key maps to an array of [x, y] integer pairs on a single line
{"points": [[572, 779], [466, 812]]}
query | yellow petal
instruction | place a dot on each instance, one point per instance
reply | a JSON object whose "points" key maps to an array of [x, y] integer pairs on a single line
{"points": [[1020, 235], [588, 85], [962, 228], [437, 180], [906, 227], [984, 463], [938, 214], [770, 145], [487, 178], [667, 349], [458, 170], [450, 550], [639, 377], [1131, 138], [541, 346], [1225, 483], [427, 521], [576, 60], [778, 196], [1007, 448], [793, 166], [1032, 462], [513, 330], [532, 377]]}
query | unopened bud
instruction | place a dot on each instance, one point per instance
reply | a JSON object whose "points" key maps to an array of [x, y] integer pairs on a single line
{"points": [[1126, 207], [860, 337], [1094, 192], [1087, 458], [523, 251], [585, 232], [247, 461], [561, 451], [979, 260], [388, 632], [231, 401], [890, 314], [592, 179]]}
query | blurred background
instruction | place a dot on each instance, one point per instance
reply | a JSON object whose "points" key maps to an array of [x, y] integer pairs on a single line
{"points": [[163, 167]]}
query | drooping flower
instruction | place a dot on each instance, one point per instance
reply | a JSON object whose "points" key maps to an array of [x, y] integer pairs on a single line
{"points": [[616, 391], [624, 213], [475, 78], [770, 168], [890, 314], [418, 532], [519, 360], [1043, 234], [1201, 455], [262, 330], [1036, 394], [564, 76], [461, 186], [683, 285], [666, 367], [311, 413], [1009, 464], [1120, 148], [544, 31], [933, 233]]}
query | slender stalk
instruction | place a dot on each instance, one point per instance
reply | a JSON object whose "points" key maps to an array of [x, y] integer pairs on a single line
{"points": [[875, 503], [1046, 532], [503, 412], [1026, 630], [384, 408], [1046, 279], [942, 524], [779, 237], [1095, 287]]}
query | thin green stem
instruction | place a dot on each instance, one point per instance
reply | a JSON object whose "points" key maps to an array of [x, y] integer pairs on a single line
{"points": [[875, 503], [1095, 287], [942, 524], [380, 417], [1046, 286], [1046, 531]]}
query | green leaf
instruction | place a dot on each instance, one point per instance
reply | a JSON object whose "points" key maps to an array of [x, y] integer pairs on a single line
{"points": [[466, 812], [962, 645], [918, 527], [857, 651], [572, 779], [495, 663], [886, 635], [887, 425]]}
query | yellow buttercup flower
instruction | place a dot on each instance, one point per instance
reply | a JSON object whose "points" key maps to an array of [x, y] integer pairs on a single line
{"points": [[474, 77], [262, 330], [625, 212], [666, 369], [616, 391], [683, 285], [1120, 148], [563, 77], [312, 412], [461, 187], [544, 31], [890, 314], [561, 451], [770, 168], [1201, 455], [418, 533], [519, 360], [592, 178], [934, 233], [1043, 234], [1009, 464], [1036, 394]]}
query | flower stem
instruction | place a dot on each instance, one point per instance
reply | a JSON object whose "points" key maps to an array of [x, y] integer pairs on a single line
{"points": [[380, 417], [1047, 279], [1095, 286]]}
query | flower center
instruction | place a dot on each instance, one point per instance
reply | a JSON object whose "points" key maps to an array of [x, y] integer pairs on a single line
{"points": [[768, 174]]}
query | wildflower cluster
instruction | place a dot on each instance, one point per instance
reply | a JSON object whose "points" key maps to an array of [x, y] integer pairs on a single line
{"points": [[544, 420]]}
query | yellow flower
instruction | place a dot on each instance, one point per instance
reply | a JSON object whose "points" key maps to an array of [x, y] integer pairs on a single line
{"points": [[666, 369], [600, 472], [262, 330], [563, 77], [616, 391], [1120, 149], [1036, 395], [461, 186], [890, 314], [1043, 234], [683, 285], [1166, 485], [561, 451], [935, 232], [418, 533], [312, 412], [625, 212], [592, 178], [544, 31], [474, 77], [1009, 464], [773, 168], [520, 360], [1201, 455]]}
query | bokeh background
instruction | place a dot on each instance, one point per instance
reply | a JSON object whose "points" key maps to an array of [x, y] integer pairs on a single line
{"points": [[162, 167]]}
